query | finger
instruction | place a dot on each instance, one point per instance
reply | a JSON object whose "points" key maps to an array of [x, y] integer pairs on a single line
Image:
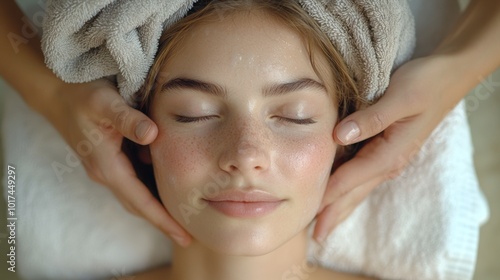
{"points": [[132, 192], [334, 214], [385, 155], [128, 121], [135, 125], [375, 160], [352, 200], [368, 122], [143, 204]]}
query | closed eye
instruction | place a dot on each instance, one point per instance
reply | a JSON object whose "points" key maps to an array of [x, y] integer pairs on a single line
{"points": [[297, 121], [186, 119]]}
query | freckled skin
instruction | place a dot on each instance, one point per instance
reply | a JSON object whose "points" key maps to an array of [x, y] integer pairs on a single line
{"points": [[244, 139]]}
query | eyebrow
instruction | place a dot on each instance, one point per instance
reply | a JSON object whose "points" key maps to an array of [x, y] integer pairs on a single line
{"points": [[303, 83], [185, 83], [217, 90]]}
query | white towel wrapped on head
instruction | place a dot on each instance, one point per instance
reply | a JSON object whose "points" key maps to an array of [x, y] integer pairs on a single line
{"points": [[83, 41], [87, 40]]}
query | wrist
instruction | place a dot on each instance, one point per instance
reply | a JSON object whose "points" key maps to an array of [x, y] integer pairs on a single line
{"points": [[453, 77], [41, 93]]}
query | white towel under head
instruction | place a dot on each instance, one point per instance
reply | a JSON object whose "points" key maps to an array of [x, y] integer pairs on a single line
{"points": [[415, 227]]}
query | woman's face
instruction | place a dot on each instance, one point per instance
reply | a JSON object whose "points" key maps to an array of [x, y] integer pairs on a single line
{"points": [[245, 143]]}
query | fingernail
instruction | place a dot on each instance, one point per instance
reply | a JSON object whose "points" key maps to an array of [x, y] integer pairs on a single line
{"points": [[141, 129], [180, 240], [348, 132]]}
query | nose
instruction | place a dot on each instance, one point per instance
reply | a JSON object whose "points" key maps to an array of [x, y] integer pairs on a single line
{"points": [[246, 150]]}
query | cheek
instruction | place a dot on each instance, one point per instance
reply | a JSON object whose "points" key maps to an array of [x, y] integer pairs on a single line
{"points": [[307, 166], [178, 160], [307, 158]]}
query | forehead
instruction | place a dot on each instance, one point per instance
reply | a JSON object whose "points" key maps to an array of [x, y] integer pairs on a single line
{"points": [[251, 41]]}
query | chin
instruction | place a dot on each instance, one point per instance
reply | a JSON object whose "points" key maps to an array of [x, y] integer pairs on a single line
{"points": [[247, 244], [235, 237]]}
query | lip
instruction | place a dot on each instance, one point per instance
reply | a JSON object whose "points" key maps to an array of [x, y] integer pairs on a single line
{"points": [[240, 204]]}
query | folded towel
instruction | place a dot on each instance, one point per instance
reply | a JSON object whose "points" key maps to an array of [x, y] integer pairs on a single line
{"points": [[87, 40], [409, 228], [373, 37]]}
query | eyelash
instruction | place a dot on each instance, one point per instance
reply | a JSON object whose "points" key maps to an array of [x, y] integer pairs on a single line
{"points": [[184, 119], [297, 121]]}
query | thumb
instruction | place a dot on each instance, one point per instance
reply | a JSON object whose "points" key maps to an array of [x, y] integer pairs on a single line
{"points": [[368, 122], [132, 123]]}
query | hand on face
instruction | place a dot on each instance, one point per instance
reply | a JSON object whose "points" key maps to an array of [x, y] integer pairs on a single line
{"points": [[417, 99], [93, 119]]}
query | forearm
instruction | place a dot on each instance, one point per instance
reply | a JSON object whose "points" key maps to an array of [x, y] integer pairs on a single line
{"points": [[23, 64], [472, 48]]}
